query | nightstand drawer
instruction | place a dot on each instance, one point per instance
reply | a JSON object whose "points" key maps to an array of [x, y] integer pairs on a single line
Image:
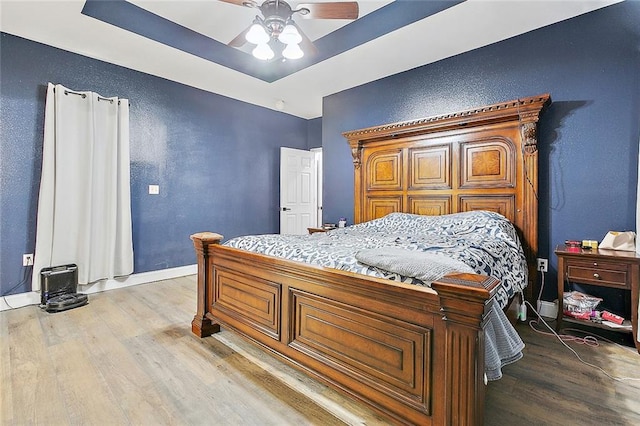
{"points": [[600, 273]]}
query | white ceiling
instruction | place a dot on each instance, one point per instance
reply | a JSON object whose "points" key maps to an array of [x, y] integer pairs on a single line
{"points": [[466, 26]]}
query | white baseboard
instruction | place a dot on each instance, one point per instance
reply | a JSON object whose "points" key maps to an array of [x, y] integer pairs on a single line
{"points": [[19, 300], [14, 301]]}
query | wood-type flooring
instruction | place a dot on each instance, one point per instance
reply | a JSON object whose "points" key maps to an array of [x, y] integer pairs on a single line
{"points": [[129, 358]]}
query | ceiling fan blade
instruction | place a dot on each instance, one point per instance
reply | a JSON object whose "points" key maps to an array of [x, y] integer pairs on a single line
{"points": [[247, 3], [306, 44], [336, 10], [240, 39]]}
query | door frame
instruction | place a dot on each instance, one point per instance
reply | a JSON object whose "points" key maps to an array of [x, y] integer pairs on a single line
{"points": [[304, 210]]}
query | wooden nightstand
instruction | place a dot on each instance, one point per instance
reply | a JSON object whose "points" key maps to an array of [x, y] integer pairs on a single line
{"points": [[603, 268]]}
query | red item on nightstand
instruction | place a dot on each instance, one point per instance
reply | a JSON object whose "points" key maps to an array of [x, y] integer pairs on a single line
{"points": [[612, 317]]}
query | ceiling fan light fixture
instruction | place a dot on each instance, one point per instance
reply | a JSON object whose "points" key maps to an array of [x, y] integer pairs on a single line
{"points": [[257, 34], [292, 51], [263, 51], [290, 34], [274, 26]]}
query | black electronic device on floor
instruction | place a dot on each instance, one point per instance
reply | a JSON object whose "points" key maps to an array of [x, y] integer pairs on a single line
{"points": [[58, 287]]}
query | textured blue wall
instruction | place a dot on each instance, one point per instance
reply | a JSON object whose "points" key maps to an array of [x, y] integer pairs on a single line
{"points": [[588, 138], [314, 133], [216, 159]]}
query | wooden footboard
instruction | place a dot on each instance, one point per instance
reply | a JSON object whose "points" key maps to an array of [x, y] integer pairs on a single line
{"points": [[414, 354]]}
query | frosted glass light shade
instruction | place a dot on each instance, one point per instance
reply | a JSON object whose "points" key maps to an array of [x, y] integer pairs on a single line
{"points": [[292, 51], [257, 34], [263, 51], [290, 35]]}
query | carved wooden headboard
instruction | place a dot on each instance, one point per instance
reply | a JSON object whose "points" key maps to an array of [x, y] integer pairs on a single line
{"points": [[481, 159]]}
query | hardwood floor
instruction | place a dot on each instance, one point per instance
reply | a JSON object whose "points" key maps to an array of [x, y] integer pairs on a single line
{"points": [[129, 357]]}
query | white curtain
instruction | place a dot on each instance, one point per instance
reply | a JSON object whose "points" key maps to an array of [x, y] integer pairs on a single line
{"points": [[84, 209]]}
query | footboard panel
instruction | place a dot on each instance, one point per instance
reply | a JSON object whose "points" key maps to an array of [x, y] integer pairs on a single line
{"points": [[250, 300], [394, 346], [389, 356]]}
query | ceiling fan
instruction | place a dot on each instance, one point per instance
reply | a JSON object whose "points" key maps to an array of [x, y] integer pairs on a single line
{"points": [[276, 29]]}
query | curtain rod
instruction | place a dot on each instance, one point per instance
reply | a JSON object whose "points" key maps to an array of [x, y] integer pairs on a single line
{"points": [[84, 95]]}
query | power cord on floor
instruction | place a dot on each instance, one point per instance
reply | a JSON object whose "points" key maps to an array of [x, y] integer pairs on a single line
{"points": [[541, 287], [587, 340], [25, 275]]}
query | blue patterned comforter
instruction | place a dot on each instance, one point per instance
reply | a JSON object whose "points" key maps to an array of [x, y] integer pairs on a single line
{"points": [[485, 241]]}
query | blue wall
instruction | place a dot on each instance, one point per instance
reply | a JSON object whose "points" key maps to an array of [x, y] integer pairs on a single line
{"points": [[314, 133], [218, 173], [216, 159], [588, 138]]}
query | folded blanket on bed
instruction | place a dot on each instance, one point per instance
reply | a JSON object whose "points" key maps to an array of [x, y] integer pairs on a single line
{"points": [[425, 266], [503, 346]]}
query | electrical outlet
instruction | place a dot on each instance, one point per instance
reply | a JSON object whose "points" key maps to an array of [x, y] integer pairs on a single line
{"points": [[27, 259], [543, 264]]}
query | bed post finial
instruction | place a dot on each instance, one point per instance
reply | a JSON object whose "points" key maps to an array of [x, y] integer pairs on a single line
{"points": [[465, 300], [201, 325]]}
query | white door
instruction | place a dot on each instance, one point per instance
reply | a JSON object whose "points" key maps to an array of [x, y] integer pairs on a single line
{"points": [[318, 153], [298, 191]]}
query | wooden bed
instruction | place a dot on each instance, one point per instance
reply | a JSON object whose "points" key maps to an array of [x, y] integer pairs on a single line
{"points": [[413, 353]]}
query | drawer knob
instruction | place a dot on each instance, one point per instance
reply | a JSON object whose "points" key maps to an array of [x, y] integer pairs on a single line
{"points": [[595, 263], [596, 276]]}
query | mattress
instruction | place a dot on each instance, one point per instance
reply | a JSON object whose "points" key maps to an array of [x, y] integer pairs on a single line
{"points": [[480, 241]]}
